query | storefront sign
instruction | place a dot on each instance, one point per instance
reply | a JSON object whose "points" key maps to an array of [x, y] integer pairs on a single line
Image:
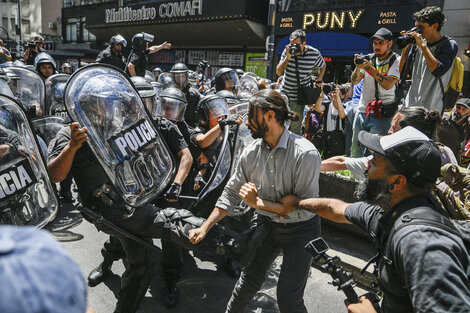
{"points": [[364, 20], [162, 11], [256, 63]]}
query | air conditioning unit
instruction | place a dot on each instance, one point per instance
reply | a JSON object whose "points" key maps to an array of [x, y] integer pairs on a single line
{"points": [[52, 25]]}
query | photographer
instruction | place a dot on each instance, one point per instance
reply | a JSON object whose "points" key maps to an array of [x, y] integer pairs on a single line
{"points": [[330, 138], [305, 58], [377, 104], [33, 49], [431, 56], [421, 268], [5, 55]]}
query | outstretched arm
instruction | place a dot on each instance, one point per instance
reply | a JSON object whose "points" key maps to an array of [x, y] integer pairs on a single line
{"points": [[331, 209]]}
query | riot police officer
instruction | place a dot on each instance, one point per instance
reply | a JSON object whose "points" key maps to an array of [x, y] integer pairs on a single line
{"points": [[113, 53], [45, 65], [227, 79], [138, 58], [172, 261], [67, 68], [180, 74], [156, 72]]}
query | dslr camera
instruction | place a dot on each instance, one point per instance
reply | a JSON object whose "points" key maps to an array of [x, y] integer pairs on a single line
{"points": [[403, 41], [295, 49], [327, 88], [360, 59]]}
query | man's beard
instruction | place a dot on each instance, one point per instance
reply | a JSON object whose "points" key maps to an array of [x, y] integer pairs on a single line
{"points": [[374, 191], [383, 54], [260, 131]]}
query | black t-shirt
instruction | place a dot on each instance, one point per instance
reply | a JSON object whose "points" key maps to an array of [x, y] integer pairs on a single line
{"points": [[172, 136], [107, 57], [432, 263], [86, 170], [139, 59], [191, 116]]}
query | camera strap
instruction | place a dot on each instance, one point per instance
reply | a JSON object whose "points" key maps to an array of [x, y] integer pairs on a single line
{"points": [[297, 71]]}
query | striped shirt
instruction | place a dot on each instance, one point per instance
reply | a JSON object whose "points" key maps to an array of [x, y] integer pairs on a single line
{"points": [[307, 62]]}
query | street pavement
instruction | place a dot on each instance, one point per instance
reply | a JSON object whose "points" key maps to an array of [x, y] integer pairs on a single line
{"points": [[204, 286]]}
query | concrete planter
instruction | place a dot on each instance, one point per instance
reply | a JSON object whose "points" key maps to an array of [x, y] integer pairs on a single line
{"points": [[340, 187]]}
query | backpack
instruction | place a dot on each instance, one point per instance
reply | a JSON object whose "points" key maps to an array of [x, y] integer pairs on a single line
{"points": [[453, 191], [451, 93]]}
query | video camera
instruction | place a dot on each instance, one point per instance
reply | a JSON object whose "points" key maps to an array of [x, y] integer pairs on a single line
{"points": [[295, 49], [405, 40], [341, 279], [329, 87]]}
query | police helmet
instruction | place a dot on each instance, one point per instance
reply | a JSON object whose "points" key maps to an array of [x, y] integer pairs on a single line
{"points": [[229, 97], [171, 104], [43, 58], [146, 91], [117, 40], [180, 74], [67, 68], [212, 108], [149, 76], [140, 40], [227, 79], [240, 72], [166, 80]]}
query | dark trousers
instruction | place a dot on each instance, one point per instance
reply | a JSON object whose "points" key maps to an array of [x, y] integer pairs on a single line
{"points": [[149, 221], [171, 263], [291, 240]]}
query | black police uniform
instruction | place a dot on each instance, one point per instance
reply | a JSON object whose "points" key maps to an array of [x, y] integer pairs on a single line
{"points": [[108, 57], [147, 221], [191, 116], [172, 261], [140, 61]]}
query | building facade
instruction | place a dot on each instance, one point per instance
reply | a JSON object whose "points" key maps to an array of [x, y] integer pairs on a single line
{"points": [[30, 21], [225, 33]]}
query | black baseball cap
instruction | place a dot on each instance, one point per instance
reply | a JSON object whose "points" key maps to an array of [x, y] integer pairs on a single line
{"points": [[464, 102], [383, 34], [411, 152]]}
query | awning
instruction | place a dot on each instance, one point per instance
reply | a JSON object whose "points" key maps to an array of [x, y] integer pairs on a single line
{"points": [[333, 44]]}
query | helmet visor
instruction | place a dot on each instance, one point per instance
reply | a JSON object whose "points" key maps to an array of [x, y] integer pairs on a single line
{"points": [[180, 79], [231, 80], [171, 109], [216, 108]]}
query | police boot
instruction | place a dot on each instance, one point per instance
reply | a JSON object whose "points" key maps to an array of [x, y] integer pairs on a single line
{"points": [[170, 295], [99, 274]]}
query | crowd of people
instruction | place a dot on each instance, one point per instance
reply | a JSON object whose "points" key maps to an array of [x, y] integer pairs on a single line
{"points": [[388, 126]]}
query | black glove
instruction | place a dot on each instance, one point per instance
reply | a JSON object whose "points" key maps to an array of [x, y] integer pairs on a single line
{"points": [[173, 192], [231, 120]]}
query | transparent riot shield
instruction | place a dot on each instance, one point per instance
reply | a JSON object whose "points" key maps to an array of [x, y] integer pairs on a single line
{"points": [[120, 133], [221, 167], [55, 86], [26, 194], [29, 90], [48, 127], [4, 89], [239, 109]]}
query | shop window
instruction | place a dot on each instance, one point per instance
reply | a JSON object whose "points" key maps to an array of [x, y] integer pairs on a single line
{"points": [[5, 23]]}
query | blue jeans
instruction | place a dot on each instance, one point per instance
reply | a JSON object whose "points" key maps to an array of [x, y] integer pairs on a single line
{"points": [[370, 124]]}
